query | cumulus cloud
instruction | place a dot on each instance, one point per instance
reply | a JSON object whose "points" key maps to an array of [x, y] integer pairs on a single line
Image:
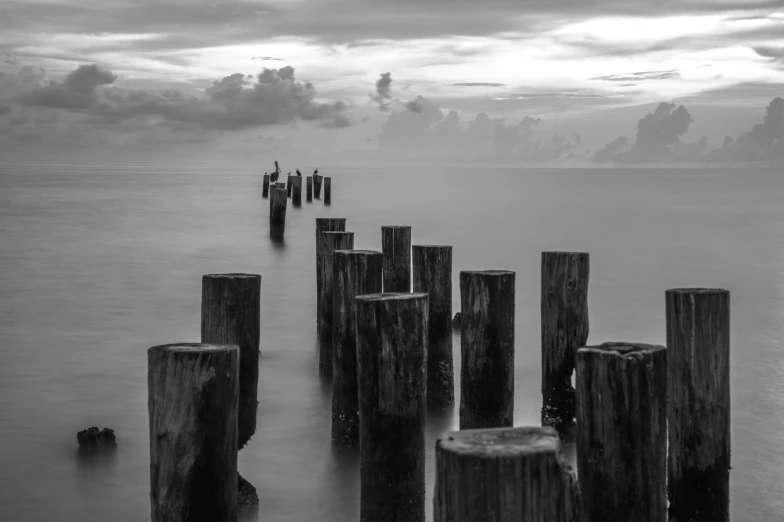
{"points": [[764, 142], [383, 94]]}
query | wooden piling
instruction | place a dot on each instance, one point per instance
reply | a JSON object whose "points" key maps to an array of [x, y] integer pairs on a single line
{"points": [[432, 269], [391, 352], [504, 474], [309, 188], [698, 409], [355, 272], [193, 391], [327, 190], [278, 213], [396, 246], [296, 188], [622, 432], [487, 304], [280, 184], [265, 186], [332, 241], [324, 225], [289, 185], [317, 185], [564, 320], [231, 314]]}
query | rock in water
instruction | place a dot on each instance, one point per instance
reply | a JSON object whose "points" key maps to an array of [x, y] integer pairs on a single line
{"points": [[93, 438], [246, 494], [456, 322]]}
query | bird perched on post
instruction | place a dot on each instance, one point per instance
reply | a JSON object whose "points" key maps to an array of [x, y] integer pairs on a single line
{"points": [[299, 173], [315, 172]]}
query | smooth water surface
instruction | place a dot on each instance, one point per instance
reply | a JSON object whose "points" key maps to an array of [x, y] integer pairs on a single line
{"points": [[99, 264]]}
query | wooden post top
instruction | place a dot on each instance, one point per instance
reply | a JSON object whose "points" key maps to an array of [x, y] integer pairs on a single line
{"points": [[433, 246], [623, 348], [392, 296], [391, 227], [563, 253], [488, 273], [703, 291], [358, 252], [193, 348], [232, 276], [501, 442]]}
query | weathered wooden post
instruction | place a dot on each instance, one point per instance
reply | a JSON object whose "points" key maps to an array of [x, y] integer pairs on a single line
{"points": [[296, 187], [622, 432], [280, 184], [317, 185], [432, 268], [289, 184], [332, 241], [487, 304], [564, 319], [504, 474], [278, 213], [324, 225], [265, 186], [355, 272], [309, 188], [327, 190], [396, 246], [193, 391], [391, 352], [231, 314], [698, 408]]}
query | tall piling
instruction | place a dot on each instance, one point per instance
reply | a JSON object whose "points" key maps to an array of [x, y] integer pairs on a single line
{"points": [[265, 186], [296, 188], [355, 272], [317, 185], [231, 314], [278, 213], [622, 431], [193, 392], [396, 246], [309, 188], [432, 270], [698, 408], [391, 353], [327, 190], [324, 225], [564, 320], [504, 474], [289, 185], [487, 304], [332, 241]]}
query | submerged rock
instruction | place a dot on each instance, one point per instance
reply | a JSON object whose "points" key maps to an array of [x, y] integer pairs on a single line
{"points": [[93, 438], [456, 322], [246, 494]]}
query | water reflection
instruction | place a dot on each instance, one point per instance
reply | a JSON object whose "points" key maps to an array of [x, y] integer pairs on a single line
{"points": [[92, 463]]}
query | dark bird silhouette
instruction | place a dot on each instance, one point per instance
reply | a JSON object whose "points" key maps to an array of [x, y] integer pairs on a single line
{"points": [[289, 174], [299, 173], [315, 172]]}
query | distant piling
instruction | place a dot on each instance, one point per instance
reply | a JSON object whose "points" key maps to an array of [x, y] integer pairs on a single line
{"points": [[698, 408], [564, 322], [332, 241], [231, 314], [391, 352], [317, 185], [309, 188], [355, 272], [396, 246], [296, 188], [432, 269], [327, 190], [193, 391], [265, 186], [278, 213], [622, 432], [324, 225], [487, 304], [503, 474], [289, 185]]}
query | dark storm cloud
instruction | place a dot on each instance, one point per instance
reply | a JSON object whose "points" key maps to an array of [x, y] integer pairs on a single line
{"points": [[234, 102]]}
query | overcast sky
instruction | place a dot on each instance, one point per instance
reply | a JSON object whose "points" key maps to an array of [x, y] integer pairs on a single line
{"points": [[560, 82]]}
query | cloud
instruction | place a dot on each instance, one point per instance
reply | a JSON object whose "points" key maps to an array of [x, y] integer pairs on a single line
{"points": [[764, 142], [639, 76], [478, 84], [383, 96], [271, 58]]}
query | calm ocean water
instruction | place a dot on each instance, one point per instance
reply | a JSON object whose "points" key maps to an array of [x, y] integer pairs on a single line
{"points": [[98, 264]]}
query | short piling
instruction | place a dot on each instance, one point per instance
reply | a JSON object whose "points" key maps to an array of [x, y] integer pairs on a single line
{"points": [[332, 241], [504, 474], [355, 272], [327, 190], [317, 185], [296, 188], [193, 391], [309, 188], [396, 246], [487, 304], [278, 213], [564, 320], [698, 408], [622, 432], [231, 314], [265, 186], [432, 269], [324, 225], [391, 353]]}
